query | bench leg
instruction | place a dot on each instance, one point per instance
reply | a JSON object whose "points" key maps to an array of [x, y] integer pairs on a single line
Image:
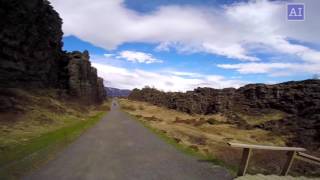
{"points": [[287, 165], [246, 153]]}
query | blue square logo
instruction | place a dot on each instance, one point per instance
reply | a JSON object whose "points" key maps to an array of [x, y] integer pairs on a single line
{"points": [[295, 12]]}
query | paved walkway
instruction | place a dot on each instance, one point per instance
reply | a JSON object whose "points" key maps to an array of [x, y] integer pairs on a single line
{"points": [[120, 148]]}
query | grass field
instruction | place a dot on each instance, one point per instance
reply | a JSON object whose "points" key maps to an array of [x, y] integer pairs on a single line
{"points": [[44, 126]]}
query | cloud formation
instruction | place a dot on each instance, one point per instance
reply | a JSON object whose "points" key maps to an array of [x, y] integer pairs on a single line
{"points": [[166, 80], [236, 31], [273, 69], [230, 31], [139, 57]]}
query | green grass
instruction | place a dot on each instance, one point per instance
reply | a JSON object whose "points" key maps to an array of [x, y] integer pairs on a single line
{"points": [[19, 159], [186, 149]]}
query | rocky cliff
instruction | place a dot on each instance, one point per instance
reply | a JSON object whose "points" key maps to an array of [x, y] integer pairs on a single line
{"points": [[31, 54], [83, 80], [30, 41], [299, 101], [301, 98]]}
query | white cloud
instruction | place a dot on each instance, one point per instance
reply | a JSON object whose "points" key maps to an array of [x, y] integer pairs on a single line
{"points": [[171, 81], [108, 55], [273, 69], [139, 57], [186, 74], [248, 68], [234, 31], [224, 32], [264, 22]]}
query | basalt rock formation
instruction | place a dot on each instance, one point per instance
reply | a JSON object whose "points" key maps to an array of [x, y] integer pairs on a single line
{"points": [[199, 101], [31, 54], [30, 41], [83, 80], [299, 100]]}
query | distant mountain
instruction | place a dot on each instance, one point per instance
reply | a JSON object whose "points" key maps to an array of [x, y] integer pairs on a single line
{"points": [[115, 92]]}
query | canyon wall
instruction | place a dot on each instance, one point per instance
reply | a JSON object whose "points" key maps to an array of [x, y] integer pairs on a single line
{"points": [[30, 41], [297, 97], [31, 54], [299, 100]]}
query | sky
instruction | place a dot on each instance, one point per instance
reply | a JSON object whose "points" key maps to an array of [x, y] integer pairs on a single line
{"points": [[179, 45]]}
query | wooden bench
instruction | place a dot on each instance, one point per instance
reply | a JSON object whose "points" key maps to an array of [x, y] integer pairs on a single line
{"points": [[293, 152], [308, 158]]}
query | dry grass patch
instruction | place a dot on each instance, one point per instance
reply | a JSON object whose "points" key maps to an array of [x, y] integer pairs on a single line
{"points": [[147, 110], [209, 134], [258, 119]]}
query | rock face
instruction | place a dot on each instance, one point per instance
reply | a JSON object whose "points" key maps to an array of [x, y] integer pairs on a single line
{"points": [[199, 101], [300, 100], [102, 93], [31, 53], [83, 80], [30, 41]]}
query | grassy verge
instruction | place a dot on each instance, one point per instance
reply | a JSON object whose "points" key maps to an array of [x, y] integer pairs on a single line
{"points": [[40, 123], [25, 157], [186, 149]]}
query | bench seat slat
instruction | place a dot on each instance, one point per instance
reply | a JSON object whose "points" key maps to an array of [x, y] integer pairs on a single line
{"points": [[275, 148], [308, 158]]}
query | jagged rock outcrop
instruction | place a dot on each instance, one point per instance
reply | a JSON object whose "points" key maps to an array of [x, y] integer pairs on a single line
{"points": [[30, 41], [199, 101], [300, 100], [31, 54], [297, 97], [83, 80], [102, 93]]}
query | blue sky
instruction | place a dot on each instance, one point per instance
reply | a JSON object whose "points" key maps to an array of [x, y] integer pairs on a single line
{"points": [[180, 45], [145, 6]]}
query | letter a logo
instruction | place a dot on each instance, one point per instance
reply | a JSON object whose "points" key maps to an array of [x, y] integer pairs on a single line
{"points": [[295, 12]]}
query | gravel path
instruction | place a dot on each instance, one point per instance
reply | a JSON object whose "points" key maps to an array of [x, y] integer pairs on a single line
{"points": [[120, 148]]}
